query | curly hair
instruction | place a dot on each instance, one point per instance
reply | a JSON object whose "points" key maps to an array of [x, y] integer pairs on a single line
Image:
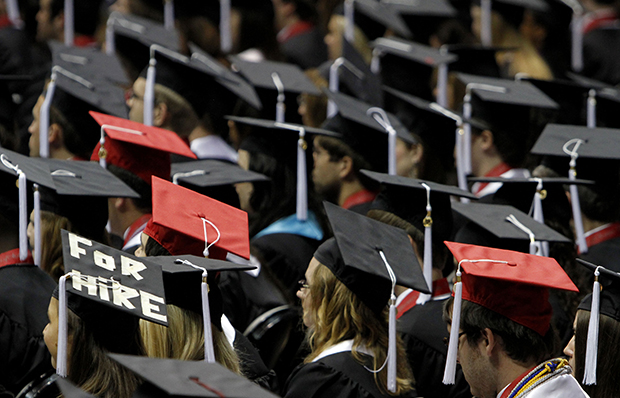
{"points": [[340, 315]]}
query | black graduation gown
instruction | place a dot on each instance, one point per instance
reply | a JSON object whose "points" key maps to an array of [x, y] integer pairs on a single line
{"points": [[605, 254], [422, 329], [598, 61], [25, 293], [334, 376], [252, 365], [307, 49]]}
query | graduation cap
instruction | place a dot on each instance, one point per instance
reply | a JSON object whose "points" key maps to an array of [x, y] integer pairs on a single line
{"points": [[602, 102], [505, 223], [512, 284], [423, 204], [186, 222], [422, 118], [26, 169], [423, 16], [282, 138], [372, 18], [595, 144], [132, 36], [604, 299], [174, 378], [74, 96], [277, 84], [572, 98], [142, 150], [86, 61], [371, 258], [408, 66], [190, 283], [365, 128], [109, 290], [214, 178], [475, 59]]}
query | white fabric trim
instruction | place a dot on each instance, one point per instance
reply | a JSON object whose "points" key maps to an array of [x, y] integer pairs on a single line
{"points": [[229, 330], [402, 296], [494, 186], [233, 258], [343, 346], [213, 147], [597, 229]]}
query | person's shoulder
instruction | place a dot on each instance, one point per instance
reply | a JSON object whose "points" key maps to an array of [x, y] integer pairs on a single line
{"points": [[561, 386]]}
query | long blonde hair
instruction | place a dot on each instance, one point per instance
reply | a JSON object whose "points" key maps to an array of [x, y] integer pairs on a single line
{"points": [[183, 339], [340, 315]]}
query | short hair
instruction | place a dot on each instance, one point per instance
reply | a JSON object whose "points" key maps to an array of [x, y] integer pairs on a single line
{"points": [[520, 343], [142, 188], [87, 12], [337, 150], [183, 119], [599, 203], [78, 143], [512, 151]]}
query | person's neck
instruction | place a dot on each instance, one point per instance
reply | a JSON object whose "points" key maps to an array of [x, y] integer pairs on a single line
{"points": [[290, 21], [61, 153], [486, 164], [509, 371], [589, 225], [199, 132], [8, 242], [127, 219], [349, 188]]}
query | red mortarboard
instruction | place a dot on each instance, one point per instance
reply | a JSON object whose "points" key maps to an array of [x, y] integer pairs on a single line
{"points": [[142, 150], [186, 222], [513, 284]]}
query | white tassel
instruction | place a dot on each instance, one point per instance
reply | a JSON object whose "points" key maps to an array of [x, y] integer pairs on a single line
{"points": [[391, 372], [23, 216], [591, 113], [576, 207], [110, 44], [169, 14], [382, 118], [280, 107], [349, 25], [206, 316], [450, 370], [44, 117], [442, 83], [460, 165], [61, 353], [225, 30], [466, 144], [12, 10], [102, 151], [302, 184], [428, 248], [589, 374], [37, 226], [375, 62], [486, 36], [334, 86], [538, 211], [69, 23], [577, 42], [149, 92]]}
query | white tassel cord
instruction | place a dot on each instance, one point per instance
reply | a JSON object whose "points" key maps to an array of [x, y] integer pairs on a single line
{"points": [[577, 41], [534, 246], [574, 195], [61, 353], [591, 109], [207, 244], [102, 151], [442, 83], [44, 117], [110, 44], [391, 355], [485, 31], [280, 106], [450, 370], [428, 247], [381, 117], [12, 10], [538, 215], [349, 25], [334, 85], [149, 92], [302, 183], [225, 29], [589, 374], [169, 14], [23, 206], [466, 143], [37, 226], [69, 23]]}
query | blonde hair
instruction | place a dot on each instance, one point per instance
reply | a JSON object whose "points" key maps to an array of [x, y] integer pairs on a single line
{"points": [[340, 315], [360, 40], [183, 339], [51, 239]]}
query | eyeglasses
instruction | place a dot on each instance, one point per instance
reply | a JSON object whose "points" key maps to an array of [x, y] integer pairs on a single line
{"points": [[303, 284], [446, 340]]}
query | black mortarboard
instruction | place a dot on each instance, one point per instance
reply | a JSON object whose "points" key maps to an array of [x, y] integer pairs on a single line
{"points": [[362, 132], [422, 16], [606, 100], [366, 87], [595, 143], [85, 61], [266, 76], [570, 96], [474, 59], [434, 128], [408, 66], [493, 229], [132, 36], [373, 18], [174, 378], [354, 257], [36, 171]]}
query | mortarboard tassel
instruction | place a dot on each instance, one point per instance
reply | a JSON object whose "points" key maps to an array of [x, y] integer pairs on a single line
{"points": [[12, 11], [576, 35], [349, 24], [466, 139], [110, 44], [302, 184], [375, 62], [589, 373], [538, 215], [44, 116], [169, 14], [61, 353], [206, 313], [176, 176], [207, 244], [534, 246], [23, 206], [428, 247], [37, 226], [334, 80], [485, 29], [69, 23], [382, 118], [225, 30], [591, 114], [442, 81], [450, 370], [574, 195], [280, 107], [391, 354], [149, 91]]}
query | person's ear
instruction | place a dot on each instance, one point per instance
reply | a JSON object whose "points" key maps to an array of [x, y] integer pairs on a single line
{"points": [[346, 167], [55, 135], [160, 114], [490, 341], [486, 140]]}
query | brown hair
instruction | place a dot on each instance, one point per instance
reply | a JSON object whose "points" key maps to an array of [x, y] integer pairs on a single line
{"points": [[340, 315], [184, 338], [51, 250], [182, 120]]}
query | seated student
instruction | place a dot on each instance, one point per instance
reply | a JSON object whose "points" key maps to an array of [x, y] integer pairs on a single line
{"points": [[179, 226], [344, 298], [607, 363]]}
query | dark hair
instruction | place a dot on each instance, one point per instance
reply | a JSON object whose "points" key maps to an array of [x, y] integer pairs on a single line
{"points": [[337, 149], [81, 145], [136, 183], [257, 30], [607, 362], [305, 10], [599, 203], [520, 343], [87, 14], [153, 248], [512, 151]]}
